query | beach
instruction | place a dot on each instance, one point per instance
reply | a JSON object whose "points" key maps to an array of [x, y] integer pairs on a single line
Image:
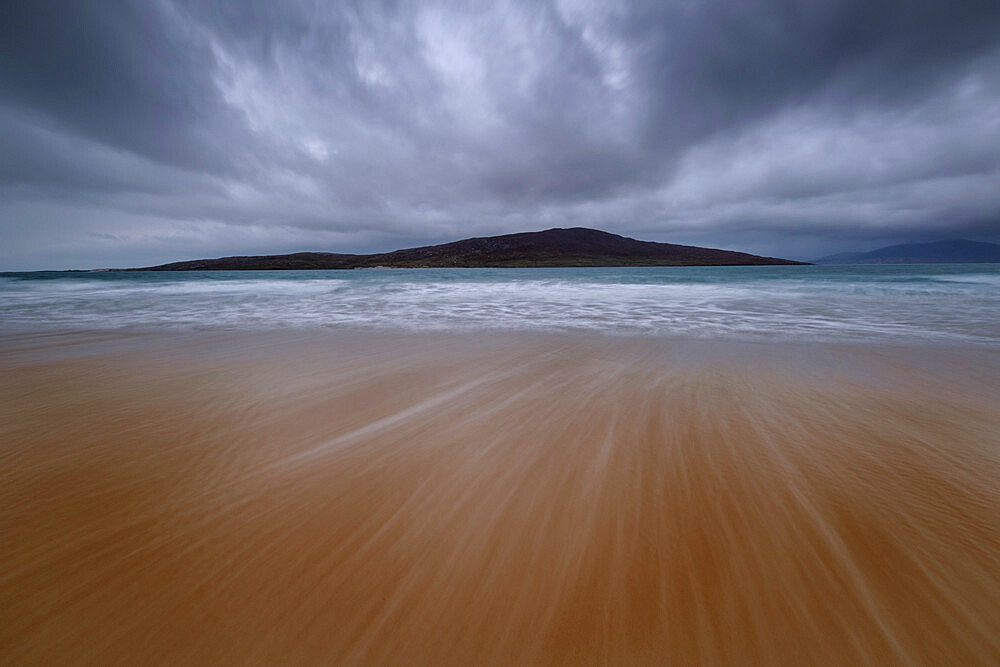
{"points": [[384, 497], [500, 333]]}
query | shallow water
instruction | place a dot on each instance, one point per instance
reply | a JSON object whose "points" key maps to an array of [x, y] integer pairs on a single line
{"points": [[301, 497], [943, 304]]}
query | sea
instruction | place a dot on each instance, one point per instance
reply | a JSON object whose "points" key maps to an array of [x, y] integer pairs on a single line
{"points": [[925, 303]]}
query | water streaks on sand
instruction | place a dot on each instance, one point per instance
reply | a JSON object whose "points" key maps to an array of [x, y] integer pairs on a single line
{"points": [[496, 499]]}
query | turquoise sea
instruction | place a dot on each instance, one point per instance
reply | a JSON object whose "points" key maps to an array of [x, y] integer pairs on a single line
{"points": [[932, 303]]}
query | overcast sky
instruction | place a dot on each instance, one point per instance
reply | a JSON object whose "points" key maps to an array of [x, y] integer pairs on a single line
{"points": [[142, 132]]}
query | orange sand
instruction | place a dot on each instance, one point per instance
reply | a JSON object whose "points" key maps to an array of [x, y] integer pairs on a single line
{"points": [[319, 499]]}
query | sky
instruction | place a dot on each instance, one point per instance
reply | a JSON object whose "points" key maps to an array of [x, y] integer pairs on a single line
{"points": [[134, 133]]}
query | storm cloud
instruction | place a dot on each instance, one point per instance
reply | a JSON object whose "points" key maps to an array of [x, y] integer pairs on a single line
{"points": [[143, 132]]}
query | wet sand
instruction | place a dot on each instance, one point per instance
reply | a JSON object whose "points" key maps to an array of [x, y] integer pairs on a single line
{"points": [[294, 498]]}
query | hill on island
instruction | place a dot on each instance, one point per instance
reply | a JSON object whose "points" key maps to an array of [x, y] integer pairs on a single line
{"points": [[951, 251], [577, 246]]}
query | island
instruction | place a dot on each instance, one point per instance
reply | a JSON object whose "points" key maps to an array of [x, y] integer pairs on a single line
{"points": [[950, 251], [558, 247]]}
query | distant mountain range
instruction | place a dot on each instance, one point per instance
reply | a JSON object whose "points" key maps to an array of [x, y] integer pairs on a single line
{"points": [[952, 251], [577, 246]]}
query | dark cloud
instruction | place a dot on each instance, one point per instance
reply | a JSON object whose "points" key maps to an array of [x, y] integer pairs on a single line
{"points": [[126, 74], [167, 129]]}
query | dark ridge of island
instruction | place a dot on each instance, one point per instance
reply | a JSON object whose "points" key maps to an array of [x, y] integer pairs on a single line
{"points": [[951, 251], [577, 246]]}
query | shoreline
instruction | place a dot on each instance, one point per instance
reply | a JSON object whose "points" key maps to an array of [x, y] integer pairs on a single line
{"points": [[876, 305]]}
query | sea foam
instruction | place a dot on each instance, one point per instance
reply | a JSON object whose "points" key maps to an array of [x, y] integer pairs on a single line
{"points": [[928, 303]]}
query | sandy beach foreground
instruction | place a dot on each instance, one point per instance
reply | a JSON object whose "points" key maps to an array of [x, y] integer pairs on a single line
{"points": [[320, 498]]}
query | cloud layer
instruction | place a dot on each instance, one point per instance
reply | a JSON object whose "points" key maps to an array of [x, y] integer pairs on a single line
{"points": [[138, 132]]}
